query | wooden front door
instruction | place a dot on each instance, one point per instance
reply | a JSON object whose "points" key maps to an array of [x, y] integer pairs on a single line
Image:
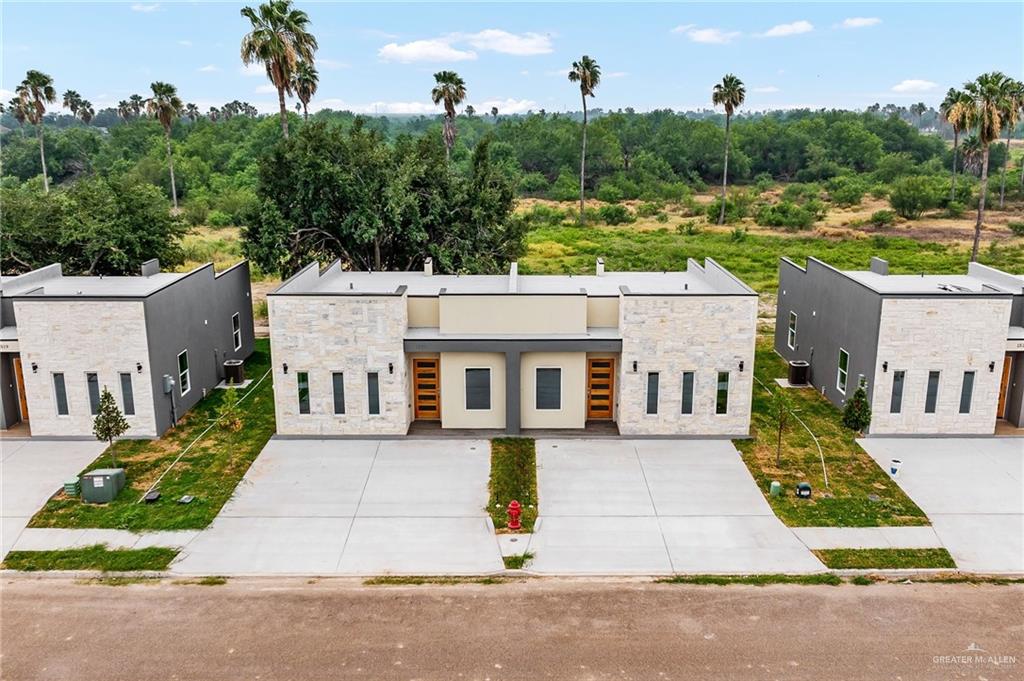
{"points": [[19, 378], [426, 388], [600, 388], [1004, 383]]}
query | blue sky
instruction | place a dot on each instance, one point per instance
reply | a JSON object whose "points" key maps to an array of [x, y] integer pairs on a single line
{"points": [[380, 57]]}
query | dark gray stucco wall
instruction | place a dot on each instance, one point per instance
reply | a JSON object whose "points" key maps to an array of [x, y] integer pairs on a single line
{"points": [[194, 314], [833, 312], [1015, 398], [10, 413]]}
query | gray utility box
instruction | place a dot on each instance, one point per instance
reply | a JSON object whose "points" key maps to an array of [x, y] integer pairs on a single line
{"points": [[234, 371], [102, 485]]}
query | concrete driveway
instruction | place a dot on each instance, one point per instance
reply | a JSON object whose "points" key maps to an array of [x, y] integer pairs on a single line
{"points": [[318, 507], [656, 507], [30, 472], [971, 489]]}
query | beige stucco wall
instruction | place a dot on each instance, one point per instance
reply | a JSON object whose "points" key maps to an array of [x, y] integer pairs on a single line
{"points": [[453, 390], [513, 314], [354, 335], [423, 312], [603, 312], [946, 335], [673, 334], [75, 337], [573, 409]]}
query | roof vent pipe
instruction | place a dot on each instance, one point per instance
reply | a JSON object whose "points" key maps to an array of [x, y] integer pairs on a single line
{"points": [[513, 277], [428, 266], [600, 267]]}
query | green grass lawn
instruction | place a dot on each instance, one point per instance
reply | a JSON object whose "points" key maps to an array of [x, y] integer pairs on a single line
{"points": [[860, 494], [755, 259], [209, 471], [513, 476], [826, 578], [891, 559], [96, 557]]}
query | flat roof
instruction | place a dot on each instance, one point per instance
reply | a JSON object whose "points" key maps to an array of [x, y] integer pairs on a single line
{"points": [[924, 284], [90, 286]]}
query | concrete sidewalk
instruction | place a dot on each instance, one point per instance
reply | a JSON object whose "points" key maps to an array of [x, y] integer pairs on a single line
{"points": [[868, 537]]}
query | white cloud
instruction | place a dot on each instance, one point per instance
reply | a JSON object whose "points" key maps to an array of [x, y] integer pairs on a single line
{"points": [[507, 106], [255, 69], [524, 72], [140, 7], [860, 22], [562, 73], [433, 50], [913, 85], [376, 33], [331, 64], [616, 74], [707, 36], [185, 43], [783, 30], [266, 89], [496, 40], [765, 89], [209, 68]]}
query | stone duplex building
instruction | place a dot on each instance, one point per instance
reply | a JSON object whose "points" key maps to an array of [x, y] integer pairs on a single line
{"points": [[389, 353], [157, 341], [938, 354]]}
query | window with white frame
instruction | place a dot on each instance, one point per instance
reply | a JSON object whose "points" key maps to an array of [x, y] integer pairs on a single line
{"points": [[236, 331], [843, 372], [791, 333], [184, 383], [548, 388]]}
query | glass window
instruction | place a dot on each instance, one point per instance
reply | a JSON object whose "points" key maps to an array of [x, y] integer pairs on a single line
{"points": [[184, 385], [303, 381], [92, 381], [236, 331], [478, 389], [549, 388], [127, 395], [652, 392], [61, 394], [931, 398], [791, 336], [722, 393], [687, 392], [844, 368], [338, 383], [373, 391], [896, 403], [967, 392]]}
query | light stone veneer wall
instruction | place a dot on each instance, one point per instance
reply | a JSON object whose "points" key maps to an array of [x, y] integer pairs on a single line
{"points": [[673, 334], [325, 334], [951, 336], [76, 337]]}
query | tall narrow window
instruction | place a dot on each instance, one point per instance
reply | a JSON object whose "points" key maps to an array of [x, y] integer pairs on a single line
{"points": [[687, 392], [791, 334], [184, 384], [338, 383], [60, 394], [373, 391], [127, 395], [303, 381], [896, 403], [478, 389], [549, 388], [931, 397], [722, 393], [967, 392], [652, 392], [92, 382], [844, 370], [236, 331]]}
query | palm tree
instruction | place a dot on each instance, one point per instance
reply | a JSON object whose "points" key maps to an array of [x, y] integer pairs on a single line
{"points": [[72, 100], [213, 114], [470, 110], [918, 111], [137, 104], [279, 39], [85, 111], [304, 82], [1012, 99], [450, 89], [587, 73], [956, 110], [494, 113], [165, 106], [192, 112], [124, 109], [730, 94], [987, 92], [17, 109], [35, 92]]}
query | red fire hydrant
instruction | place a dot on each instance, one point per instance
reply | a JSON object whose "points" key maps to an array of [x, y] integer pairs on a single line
{"points": [[514, 511]]}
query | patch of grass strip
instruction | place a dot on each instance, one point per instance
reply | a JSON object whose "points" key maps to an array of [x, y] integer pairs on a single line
{"points": [[826, 578], [518, 561], [436, 580], [513, 476], [97, 557], [885, 559]]}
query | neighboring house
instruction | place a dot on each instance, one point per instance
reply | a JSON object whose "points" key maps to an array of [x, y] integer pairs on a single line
{"points": [[64, 339], [938, 354], [361, 353]]}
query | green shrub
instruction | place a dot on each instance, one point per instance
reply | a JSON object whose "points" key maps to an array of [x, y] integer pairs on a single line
{"points": [[615, 214], [1017, 227], [543, 214], [649, 209], [882, 218], [196, 211], [912, 196], [799, 192], [609, 193], [737, 207], [661, 217], [738, 234], [846, 190], [689, 228], [218, 218], [566, 187], [763, 182], [954, 209], [879, 191], [533, 183], [785, 214], [857, 412]]}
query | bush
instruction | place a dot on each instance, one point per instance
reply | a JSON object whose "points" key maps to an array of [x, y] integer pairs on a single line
{"points": [[785, 214], [543, 214], [689, 228], [609, 193], [661, 217], [857, 412], [954, 209], [566, 187], [195, 212], [1017, 227], [615, 214], [218, 218], [912, 196], [737, 207], [799, 192], [738, 234], [533, 183], [882, 218], [763, 182], [649, 209], [846, 190]]}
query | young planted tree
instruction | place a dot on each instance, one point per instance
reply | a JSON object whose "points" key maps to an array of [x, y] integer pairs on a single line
{"points": [[450, 90], [1012, 103], [857, 412], [987, 93], [587, 73], [730, 94], [229, 414], [166, 106], [109, 423], [35, 92], [279, 39], [780, 413], [304, 83], [956, 110]]}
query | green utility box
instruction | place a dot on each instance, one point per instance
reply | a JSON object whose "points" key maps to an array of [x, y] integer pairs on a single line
{"points": [[71, 487], [102, 485]]}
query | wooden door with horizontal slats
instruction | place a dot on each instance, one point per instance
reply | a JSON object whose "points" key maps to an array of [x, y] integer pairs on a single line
{"points": [[1004, 383], [19, 377], [600, 388], [426, 383]]}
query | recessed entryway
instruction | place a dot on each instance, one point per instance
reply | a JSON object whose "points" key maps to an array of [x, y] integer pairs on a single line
{"points": [[600, 388], [426, 388]]}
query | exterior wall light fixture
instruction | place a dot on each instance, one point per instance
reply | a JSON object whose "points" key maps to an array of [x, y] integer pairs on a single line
{"points": [[138, 367], [35, 368], [634, 366], [391, 368], [991, 367], [885, 367], [284, 367], [741, 366]]}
